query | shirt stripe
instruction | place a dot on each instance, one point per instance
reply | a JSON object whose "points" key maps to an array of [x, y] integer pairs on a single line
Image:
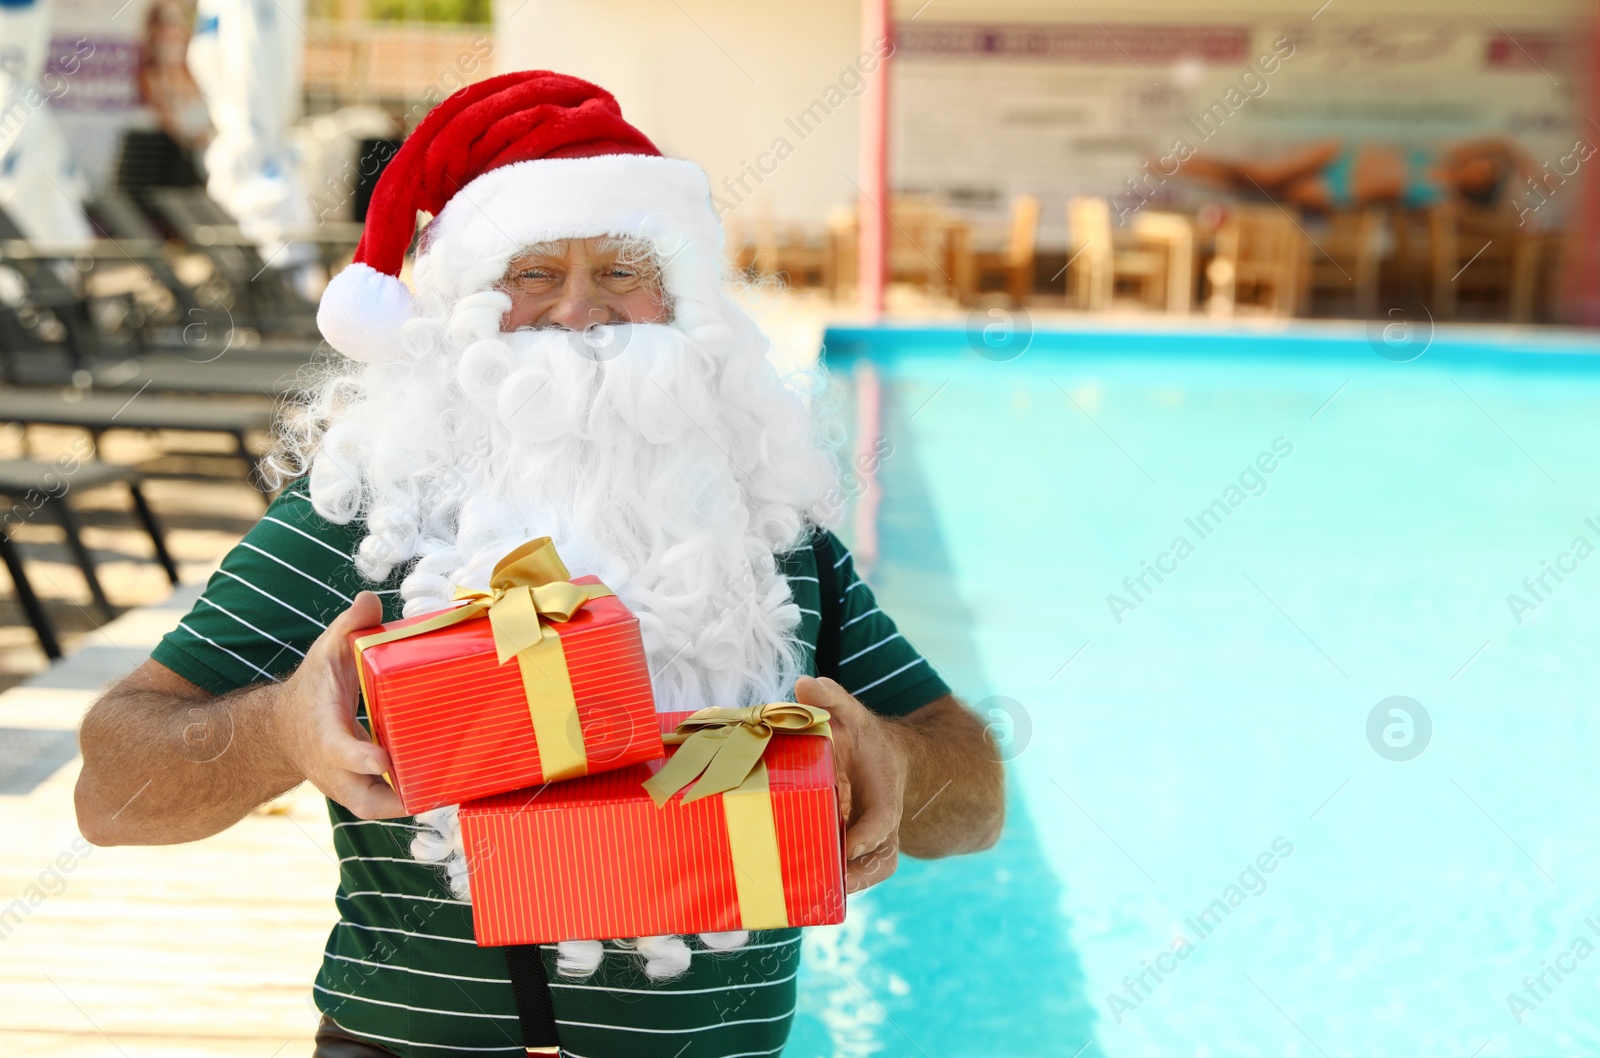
{"points": [[407, 1006], [692, 1028], [677, 991], [863, 653], [253, 628], [226, 651], [434, 1046]]}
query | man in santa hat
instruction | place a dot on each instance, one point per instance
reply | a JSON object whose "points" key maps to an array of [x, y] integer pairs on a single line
{"points": [[568, 366]]}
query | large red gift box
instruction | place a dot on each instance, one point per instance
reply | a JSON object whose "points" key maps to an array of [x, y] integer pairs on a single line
{"points": [[457, 722], [595, 858]]}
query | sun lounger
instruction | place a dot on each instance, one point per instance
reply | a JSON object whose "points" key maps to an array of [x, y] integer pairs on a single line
{"points": [[30, 486], [100, 412]]}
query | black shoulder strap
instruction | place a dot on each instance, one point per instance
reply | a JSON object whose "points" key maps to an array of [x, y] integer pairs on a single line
{"points": [[529, 982], [535, 1009], [832, 605]]}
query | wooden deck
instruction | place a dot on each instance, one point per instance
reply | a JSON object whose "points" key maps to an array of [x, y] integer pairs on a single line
{"points": [[202, 949]]}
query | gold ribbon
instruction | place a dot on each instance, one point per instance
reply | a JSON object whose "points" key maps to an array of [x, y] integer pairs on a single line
{"points": [[529, 589], [722, 748]]}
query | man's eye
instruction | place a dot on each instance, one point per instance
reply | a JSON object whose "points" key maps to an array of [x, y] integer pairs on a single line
{"points": [[534, 273], [623, 273]]}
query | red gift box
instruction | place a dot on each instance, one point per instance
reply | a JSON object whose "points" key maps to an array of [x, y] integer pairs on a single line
{"points": [[595, 858], [457, 722]]}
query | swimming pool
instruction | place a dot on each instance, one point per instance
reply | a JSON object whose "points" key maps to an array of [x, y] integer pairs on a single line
{"points": [[1320, 781]]}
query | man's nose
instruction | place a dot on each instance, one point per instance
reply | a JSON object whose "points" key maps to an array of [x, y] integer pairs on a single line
{"points": [[579, 307]]}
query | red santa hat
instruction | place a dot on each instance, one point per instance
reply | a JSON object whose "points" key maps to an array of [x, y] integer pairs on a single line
{"points": [[518, 159]]}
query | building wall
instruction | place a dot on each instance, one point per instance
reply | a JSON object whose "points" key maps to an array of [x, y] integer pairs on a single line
{"points": [[723, 82], [717, 81]]}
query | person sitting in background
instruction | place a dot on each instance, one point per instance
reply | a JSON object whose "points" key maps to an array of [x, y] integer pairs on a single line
{"points": [[1336, 175]]}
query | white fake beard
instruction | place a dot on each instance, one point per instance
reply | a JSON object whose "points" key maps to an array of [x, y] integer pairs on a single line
{"points": [[671, 472], [640, 468]]}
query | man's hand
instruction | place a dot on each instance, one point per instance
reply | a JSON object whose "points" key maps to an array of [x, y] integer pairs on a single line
{"points": [[870, 760], [316, 720], [939, 761]]}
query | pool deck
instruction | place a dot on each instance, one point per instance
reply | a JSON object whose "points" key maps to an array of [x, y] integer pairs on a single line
{"points": [[200, 949]]}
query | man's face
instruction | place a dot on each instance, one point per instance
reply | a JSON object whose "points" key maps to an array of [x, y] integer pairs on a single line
{"points": [[578, 283]]}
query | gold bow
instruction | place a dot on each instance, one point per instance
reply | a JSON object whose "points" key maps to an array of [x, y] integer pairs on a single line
{"points": [[722, 748], [529, 588]]}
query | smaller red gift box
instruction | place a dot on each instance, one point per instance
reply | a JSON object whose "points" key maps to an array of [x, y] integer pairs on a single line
{"points": [[457, 723], [594, 858]]}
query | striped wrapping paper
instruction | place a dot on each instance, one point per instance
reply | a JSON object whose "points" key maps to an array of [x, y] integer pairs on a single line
{"points": [[455, 721], [594, 858]]}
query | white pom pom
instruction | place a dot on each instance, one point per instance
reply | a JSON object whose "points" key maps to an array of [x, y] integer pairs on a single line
{"points": [[664, 957], [726, 941], [362, 311], [579, 958]]}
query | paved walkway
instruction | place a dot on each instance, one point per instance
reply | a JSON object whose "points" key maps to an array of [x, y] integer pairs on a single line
{"points": [[202, 949]]}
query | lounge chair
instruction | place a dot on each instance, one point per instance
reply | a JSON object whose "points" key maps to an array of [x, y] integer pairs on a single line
{"points": [[33, 485], [101, 412]]}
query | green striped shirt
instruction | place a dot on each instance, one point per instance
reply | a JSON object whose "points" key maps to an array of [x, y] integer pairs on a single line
{"points": [[401, 967]]}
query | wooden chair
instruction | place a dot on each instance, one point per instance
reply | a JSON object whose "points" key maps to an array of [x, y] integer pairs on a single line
{"points": [[927, 245], [1174, 234], [799, 255], [1101, 263], [1343, 265], [842, 236], [922, 244], [1013, 263], [1482, 257], [1259, 266]]}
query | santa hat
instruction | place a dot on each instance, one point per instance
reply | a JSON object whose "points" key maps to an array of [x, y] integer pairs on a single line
{"points": [[518, 159]]}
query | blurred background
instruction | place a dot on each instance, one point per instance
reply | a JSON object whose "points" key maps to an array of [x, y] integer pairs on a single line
{"points": [[1250, 343]]}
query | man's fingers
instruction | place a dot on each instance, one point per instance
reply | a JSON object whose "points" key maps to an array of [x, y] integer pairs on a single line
{"points": [[331, 661], [823, 693], [368, 796], [357, 755], [879, 819], [875, 801], [872, 868], [364, 612], [868, 782], [350, 750]]}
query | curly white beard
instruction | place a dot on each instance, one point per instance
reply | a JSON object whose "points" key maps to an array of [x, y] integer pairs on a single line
{"points": [[674, 470]]}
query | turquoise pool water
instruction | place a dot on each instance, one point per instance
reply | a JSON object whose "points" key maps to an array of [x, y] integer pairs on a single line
{"points": [[1166, 748]]}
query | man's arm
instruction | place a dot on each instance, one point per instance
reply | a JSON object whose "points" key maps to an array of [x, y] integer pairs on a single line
{"points": [[929, 783], [165, 762], [955, 785]]}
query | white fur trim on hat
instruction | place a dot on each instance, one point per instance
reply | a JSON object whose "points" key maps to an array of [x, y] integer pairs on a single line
{"points": [[664, 200], [362, 311]]}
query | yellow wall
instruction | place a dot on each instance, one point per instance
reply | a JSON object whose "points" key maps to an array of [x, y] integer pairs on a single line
{"points": [[710, 80]]}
